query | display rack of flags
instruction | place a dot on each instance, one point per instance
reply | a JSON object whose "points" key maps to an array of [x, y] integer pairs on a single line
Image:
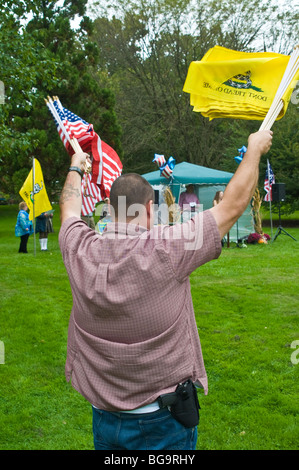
{"points": [[78, 135]]}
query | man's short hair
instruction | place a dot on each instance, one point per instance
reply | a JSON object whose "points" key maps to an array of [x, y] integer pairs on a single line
{"points": [[134, 188]]}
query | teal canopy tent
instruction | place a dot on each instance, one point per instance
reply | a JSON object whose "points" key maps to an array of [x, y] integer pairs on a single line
{"points": [[207, 182], [187, 173]]}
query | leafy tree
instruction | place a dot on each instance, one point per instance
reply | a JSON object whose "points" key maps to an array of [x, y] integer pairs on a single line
{"points": [[146, 48], [53, 59], [284, 156], [23, 63]]}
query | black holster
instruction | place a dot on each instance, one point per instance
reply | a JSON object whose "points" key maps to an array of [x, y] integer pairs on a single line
{"points": [[183, 404]]}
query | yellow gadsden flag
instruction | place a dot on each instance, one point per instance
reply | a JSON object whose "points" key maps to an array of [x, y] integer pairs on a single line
{"points": [[242, 85], [41, 200]]}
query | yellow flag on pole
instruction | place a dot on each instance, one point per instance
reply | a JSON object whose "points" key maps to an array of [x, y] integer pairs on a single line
{"points": [[242, 85], [39, 193]]}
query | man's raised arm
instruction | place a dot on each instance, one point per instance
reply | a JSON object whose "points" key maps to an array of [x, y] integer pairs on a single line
{"points": [[241, 188], [70, 199]]}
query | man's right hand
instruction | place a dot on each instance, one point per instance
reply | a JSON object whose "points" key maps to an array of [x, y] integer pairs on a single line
{"points": [[80, 159], [260, 142]]}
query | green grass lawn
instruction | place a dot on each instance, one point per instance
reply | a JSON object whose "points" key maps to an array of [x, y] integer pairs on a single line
{"points": [[246, 305], [291, 220]]}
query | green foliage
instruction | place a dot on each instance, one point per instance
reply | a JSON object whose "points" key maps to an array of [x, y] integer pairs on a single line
{"points": [[146, 48], [26, 63], [284, 154], [124, 72], [47, 57]]}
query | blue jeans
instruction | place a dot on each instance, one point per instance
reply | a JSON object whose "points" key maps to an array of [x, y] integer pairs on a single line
{"points": [[149, 431]]}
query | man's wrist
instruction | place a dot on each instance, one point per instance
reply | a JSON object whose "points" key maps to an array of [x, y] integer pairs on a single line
{"points": [[253, 153], [77, 162], [76, 169]]}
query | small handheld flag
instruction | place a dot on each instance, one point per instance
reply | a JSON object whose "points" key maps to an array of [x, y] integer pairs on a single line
{"points": [[78, 135], [64, 127], [269, 180]]}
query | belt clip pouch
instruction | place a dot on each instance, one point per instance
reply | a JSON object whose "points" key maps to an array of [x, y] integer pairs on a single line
{"points": [[186, 408]]}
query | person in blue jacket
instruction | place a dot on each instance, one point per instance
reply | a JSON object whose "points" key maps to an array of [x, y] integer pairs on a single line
{"points": [[23, 227]]}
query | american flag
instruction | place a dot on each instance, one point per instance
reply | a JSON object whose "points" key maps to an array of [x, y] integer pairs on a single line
{"points": [[75, 126], [106, 169], [269, 180], [106, 164], [91, 194]]}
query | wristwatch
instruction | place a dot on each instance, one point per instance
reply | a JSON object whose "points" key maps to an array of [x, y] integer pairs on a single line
{"points": [[77, 169]]}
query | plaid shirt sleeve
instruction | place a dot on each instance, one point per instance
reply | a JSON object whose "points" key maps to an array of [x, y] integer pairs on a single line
{"points": [[192, 244]]}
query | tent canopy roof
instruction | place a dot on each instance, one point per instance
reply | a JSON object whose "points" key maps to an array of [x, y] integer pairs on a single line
{"points": [[187, 173]]}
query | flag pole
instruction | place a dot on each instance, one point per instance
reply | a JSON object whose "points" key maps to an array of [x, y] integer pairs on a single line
{"points": [[72, 140], [270, 198], [278, 103], [33, 204]]}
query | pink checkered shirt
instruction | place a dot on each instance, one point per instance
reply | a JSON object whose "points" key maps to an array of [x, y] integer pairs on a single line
{"points": [[187, 198], [132, 331]]}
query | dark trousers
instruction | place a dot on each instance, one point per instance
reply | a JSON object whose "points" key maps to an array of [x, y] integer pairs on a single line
{"points": [[23, 243]]}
